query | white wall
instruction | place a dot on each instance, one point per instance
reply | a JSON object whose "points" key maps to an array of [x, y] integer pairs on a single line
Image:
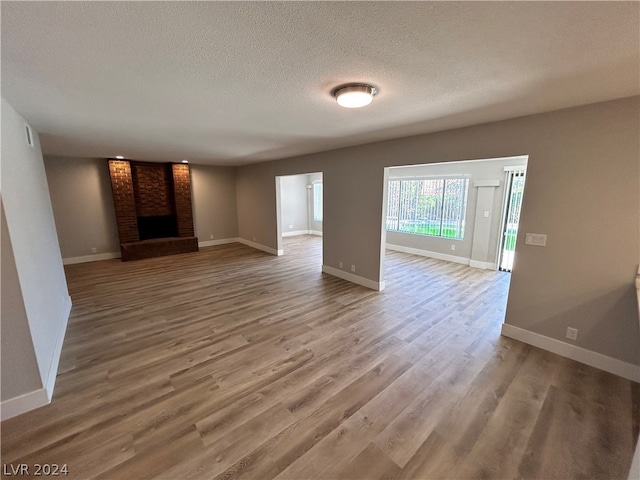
{"points": [[314, 225], [31, 227], [492, 169], [294, 201]]}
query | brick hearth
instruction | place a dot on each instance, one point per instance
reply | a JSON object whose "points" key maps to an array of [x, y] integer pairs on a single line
{"points": [[144, 192]]}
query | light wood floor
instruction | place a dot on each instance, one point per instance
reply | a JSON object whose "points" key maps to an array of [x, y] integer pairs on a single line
{"points": [[231, 363]]}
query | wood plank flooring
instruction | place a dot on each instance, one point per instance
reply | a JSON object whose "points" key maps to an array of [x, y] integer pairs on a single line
{"points": [[231, 363]]}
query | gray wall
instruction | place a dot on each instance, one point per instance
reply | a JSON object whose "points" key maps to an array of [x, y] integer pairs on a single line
{"points": [[297, 202], [314, 225], [84, 212], [582, 191], [475, 170], [82, 205], [294, 198], [214, 202], [32, 231], [20, 372]]}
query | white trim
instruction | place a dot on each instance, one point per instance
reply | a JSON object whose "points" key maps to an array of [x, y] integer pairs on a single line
{"points": [[96, 257], [39, 398], [486, 183], [50, 381], [350, 277], [427, 253], [220, 241], [503, 212], [453, 176], [579, 354], [23, 403], [259, 246], [483, 265], [634, 473], [302, 232], [515, 158], [517, 167], [295, 233]]}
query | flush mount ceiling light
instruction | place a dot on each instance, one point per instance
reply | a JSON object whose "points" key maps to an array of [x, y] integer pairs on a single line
{"points": [[119, 157], [185, 161], [355, 95]]}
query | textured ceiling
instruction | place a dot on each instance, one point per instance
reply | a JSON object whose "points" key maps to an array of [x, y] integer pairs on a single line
{"points": [[231, 83]]}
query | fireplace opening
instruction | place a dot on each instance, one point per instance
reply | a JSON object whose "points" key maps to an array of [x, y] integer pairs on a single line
{"points": [[153, 208], [157, 226]]}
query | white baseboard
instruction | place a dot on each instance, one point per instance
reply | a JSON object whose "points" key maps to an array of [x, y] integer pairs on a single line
{"points": [[259, 246], [39, 398], [579, 354], [350, 277], [427, 253], [302, 232], [220, 241], [634, 473], [23, 403], [295, 233], [50, 381], [95, 257], [483, 265]]}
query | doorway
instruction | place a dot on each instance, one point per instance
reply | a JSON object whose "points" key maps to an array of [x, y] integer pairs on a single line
{"points": [[514, 182], [299, 210]]}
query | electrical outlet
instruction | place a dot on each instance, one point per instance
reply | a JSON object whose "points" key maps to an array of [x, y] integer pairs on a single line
{"points": [[537, 239], [211, 237], [572, 333], [94, 250], [353, 268], [254, 239], [290, 227], [340, 264], [453, 247]]}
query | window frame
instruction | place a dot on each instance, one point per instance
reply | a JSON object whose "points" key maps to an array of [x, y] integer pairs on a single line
{"points": [[318, 210], [412, 203]]}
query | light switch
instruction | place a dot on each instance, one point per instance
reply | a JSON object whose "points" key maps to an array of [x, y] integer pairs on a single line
{"points": [[537, 239]]}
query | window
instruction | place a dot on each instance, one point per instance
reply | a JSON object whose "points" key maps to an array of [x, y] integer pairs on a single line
{"points": [[317, 202], [429, 206]]}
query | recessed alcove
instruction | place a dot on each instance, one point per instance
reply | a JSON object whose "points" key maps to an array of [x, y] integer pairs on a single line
{"points": [[157, 226], [153, 208]]}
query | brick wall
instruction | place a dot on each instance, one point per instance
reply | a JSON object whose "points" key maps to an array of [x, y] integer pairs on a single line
{"points": [[124, 200], [153, 189], [143, 189], [182, 195]]}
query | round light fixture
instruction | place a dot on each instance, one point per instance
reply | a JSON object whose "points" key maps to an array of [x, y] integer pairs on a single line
{"points": [[354, 95], [119, 157], [185, 161]]}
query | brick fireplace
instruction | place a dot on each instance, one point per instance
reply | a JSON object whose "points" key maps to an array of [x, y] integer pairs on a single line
{"points": [[153, 208]]}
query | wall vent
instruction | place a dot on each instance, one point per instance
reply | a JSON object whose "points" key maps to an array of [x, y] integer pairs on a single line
{"points": [[29, 135]]}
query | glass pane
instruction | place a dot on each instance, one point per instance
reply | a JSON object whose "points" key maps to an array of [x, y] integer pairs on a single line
{"points": [[317, 202], [434, 206]]}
